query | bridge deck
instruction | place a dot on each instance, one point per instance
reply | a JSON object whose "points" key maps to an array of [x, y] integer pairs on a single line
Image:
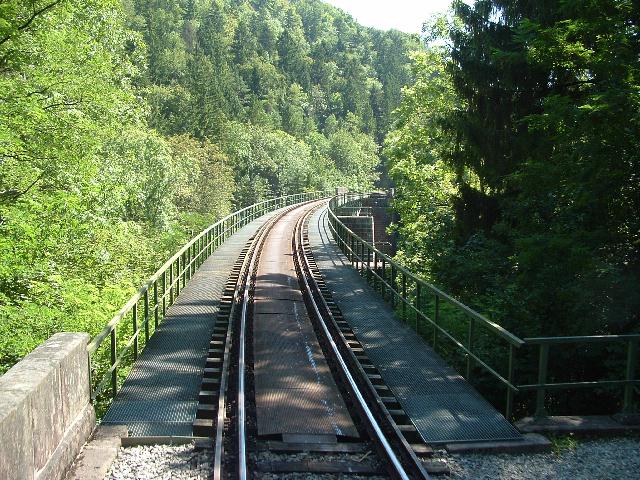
{"points": [[294, 389], [442, 405], [160, 395]]}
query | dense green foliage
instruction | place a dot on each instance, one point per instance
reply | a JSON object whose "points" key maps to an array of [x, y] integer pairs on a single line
{"points": [[303, 68], [126, 127], [516, 159]]}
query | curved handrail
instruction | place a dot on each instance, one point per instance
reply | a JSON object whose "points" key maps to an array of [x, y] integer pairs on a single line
{"points": [[157, 293], [507, 335], [355, 248]]}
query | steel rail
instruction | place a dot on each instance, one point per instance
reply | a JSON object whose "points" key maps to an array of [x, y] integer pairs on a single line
{"points": [[224, 378], [307, 279], [242, 361], [253, 257], [240, 298]]}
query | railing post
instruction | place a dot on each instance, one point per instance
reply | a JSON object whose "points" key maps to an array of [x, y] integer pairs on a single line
{"points": [[375, 270], [171, 284], [418, 305], [470, 338], [164, 293], [114, 372], [146, 316], [510, 373], [632, 359], [135, 331], [436, 320], [384, 278], [351, 252], [156, 312], [404, 296], [186, 266], [543, 363], [393, 285], [178, 277]]}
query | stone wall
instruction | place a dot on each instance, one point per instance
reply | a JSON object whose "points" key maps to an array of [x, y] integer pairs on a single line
{"points": [[45, 414]]}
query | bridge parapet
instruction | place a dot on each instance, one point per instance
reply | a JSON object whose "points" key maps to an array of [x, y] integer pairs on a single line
{"points": [[45, 413]]}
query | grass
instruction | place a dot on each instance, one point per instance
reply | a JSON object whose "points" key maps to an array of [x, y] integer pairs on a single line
{"points": [[563, 443]]}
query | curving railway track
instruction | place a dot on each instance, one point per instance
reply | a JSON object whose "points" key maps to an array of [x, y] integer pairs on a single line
{"points": [[234, 408]]}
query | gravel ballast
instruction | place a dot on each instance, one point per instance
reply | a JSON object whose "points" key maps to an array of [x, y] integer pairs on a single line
{"points": [[161, 462], [598, 459], [587, 460]]}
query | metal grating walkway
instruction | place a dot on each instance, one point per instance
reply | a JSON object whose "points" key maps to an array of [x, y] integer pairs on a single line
{"points": [[294, 389], [160, 394], [442, 405]]}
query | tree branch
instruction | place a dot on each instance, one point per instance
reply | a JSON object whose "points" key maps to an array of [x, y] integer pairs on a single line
{"points": [[30, 20], [63, 104], [12, 195]]}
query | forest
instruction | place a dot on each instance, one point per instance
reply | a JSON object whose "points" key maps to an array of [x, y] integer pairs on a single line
{"points": [[509, 131], [128, 126]]}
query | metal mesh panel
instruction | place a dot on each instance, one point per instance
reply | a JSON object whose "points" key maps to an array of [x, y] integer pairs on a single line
{"points": [[442, 405], [295, 391], [160, 395]]}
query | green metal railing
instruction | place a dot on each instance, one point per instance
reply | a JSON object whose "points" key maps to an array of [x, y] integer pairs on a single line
{"points": [[148, 307], [628, 384], [409, 294]]}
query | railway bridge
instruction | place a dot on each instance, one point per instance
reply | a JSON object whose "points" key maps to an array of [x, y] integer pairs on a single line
{"points": [[286, 327]]}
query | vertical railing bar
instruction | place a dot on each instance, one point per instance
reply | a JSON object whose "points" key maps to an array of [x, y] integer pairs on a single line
{"points": [[375, 270], [543, 363], [351, 255], [156, 312], [146, 316], [510, 376], [470, 338], [404, 296], [135, 330], [436, 321], [178, 278], [114, 372], [632, 359], [393, 285], [171, 282], [384, 278], [418, 304], [164, 293]]}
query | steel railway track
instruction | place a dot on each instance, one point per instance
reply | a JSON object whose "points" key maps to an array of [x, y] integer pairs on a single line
{"points": [[226, 414]]}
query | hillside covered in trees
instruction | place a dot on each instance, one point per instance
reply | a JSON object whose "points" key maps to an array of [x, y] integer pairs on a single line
{"points": [[125, 127]]}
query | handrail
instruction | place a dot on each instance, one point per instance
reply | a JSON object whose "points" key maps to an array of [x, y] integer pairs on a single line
{"points": [[545, 343], [508, 336], [361, 253], [580, 339], [163, 287]]}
